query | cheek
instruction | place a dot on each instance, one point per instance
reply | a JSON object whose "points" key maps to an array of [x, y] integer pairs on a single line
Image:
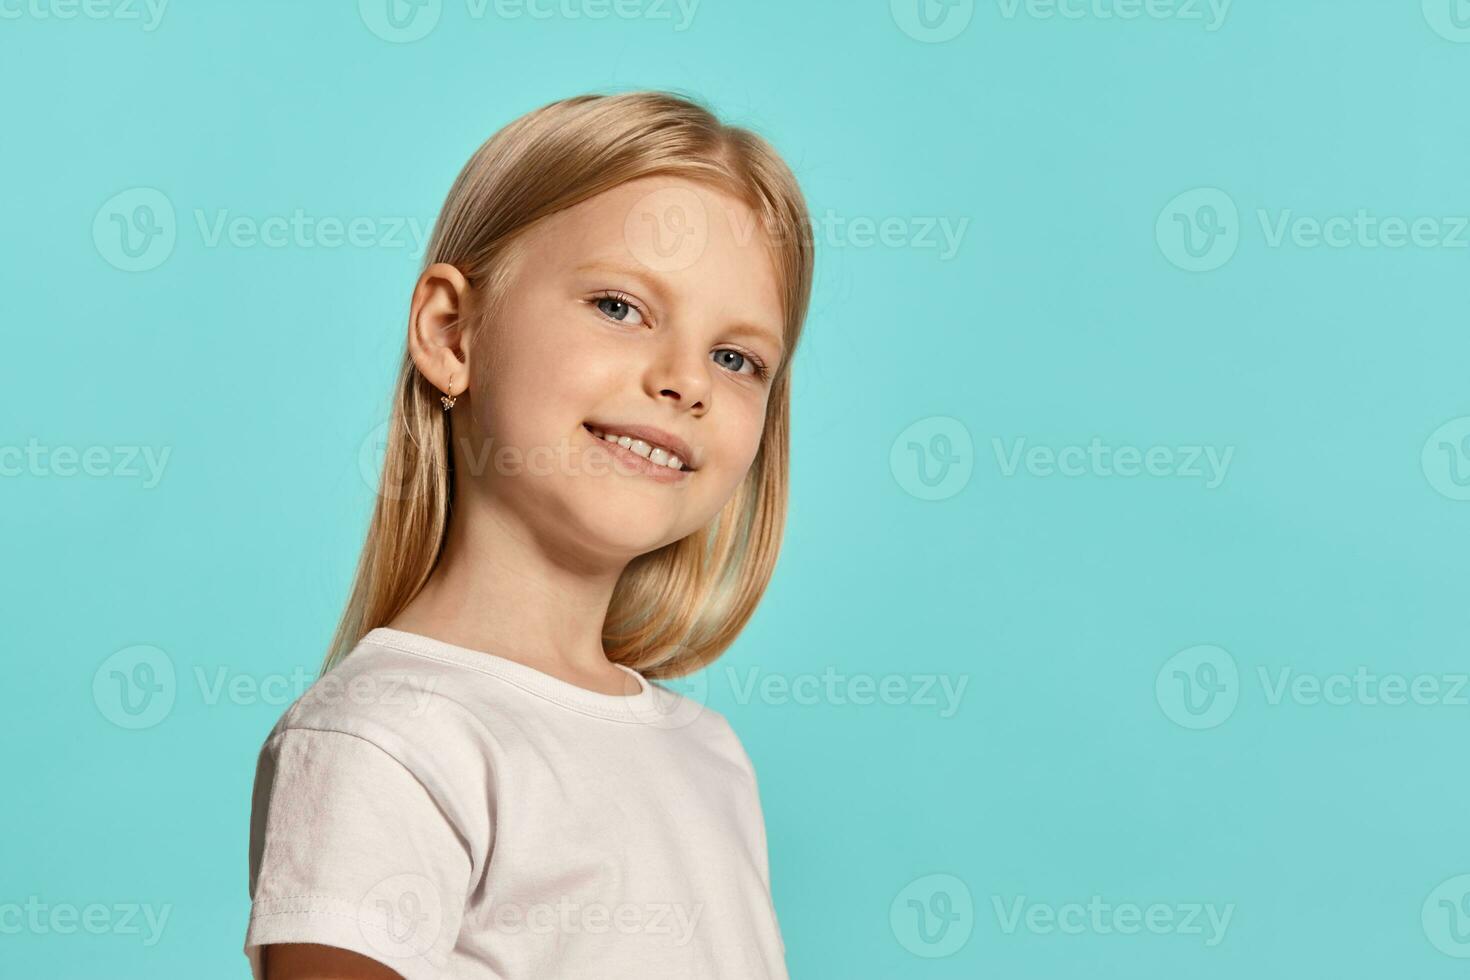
{"points": [[538, 377], [741, 435]]}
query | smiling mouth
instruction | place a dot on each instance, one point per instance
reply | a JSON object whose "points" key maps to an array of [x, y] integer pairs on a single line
{"points": [[640, 455]]}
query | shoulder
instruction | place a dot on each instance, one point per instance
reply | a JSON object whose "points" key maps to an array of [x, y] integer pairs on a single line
{"points": [[370, 794], [701, 728], [405, 707]]}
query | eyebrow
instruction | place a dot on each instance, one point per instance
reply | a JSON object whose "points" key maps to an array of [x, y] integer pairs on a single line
{"points": [[656, 287]]}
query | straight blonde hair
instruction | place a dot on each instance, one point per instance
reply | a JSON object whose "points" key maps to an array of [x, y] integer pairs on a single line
{"points": [[676, 609]]}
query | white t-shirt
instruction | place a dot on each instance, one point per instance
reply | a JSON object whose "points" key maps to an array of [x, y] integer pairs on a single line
{"points": [[455, 814]]}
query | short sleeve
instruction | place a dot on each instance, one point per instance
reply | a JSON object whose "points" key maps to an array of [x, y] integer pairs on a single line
{"points": [[757, 821], [349, 849]]}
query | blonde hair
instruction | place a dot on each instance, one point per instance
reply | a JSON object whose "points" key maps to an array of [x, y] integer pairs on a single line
{"points": [[675, 609]]}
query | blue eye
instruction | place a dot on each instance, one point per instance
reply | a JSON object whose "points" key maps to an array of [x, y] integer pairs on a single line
{"points": [[740, 359], [617, 308], [757, 367]]}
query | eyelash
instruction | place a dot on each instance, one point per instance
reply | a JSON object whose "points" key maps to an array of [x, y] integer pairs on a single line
{"points": [[761, 371]]}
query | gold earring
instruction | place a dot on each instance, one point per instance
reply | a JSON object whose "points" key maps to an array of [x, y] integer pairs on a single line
{"points": [[448, 399]]}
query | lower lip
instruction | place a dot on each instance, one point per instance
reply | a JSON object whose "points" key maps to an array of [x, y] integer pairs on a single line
{"points": [[627, 461]]}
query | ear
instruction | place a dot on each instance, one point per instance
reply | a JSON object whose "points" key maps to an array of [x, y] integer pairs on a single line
{"points": [[437, 327]]}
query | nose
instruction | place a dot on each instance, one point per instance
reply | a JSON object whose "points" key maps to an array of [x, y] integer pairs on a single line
{"points": [[681, 375]]}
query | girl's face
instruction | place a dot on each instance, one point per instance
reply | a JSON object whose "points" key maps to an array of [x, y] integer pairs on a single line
{"points": [[652, 311]]}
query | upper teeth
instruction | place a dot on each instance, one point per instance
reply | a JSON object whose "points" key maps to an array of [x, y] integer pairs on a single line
{"points": [[650, 452]]}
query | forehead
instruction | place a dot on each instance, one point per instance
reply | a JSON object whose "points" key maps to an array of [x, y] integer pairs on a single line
{"points": [[699, 245]]}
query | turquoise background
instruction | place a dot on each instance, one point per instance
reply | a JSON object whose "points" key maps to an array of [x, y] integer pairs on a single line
{"points": [[1091, 751]]}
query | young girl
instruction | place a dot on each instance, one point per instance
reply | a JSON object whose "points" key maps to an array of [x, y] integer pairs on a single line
{"points": [[583, 492]]}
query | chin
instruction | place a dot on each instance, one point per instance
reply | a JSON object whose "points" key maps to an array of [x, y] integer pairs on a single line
{"points": [[623, 519], [629, 544]]}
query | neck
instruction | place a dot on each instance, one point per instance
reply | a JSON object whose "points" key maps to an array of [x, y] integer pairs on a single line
{"points": [[502, 588]]}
